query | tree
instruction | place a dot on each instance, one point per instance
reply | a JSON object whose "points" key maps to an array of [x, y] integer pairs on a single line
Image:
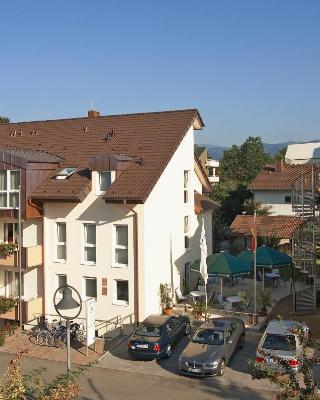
{"points": [[252, 158], [4, 120], [250, 206], [233, 203]]}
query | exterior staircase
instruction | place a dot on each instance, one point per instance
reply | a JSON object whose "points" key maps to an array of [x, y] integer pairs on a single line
{"points": [[306, 241]]}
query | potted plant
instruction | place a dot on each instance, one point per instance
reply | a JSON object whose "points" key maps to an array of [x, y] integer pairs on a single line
{"points": [[166, 301], [264, 300], [198, 310]]}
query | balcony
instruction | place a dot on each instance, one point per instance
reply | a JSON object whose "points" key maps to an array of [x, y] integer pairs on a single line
{"points": [[212, 163], [29, 309], [213, 179], [30, 257]]}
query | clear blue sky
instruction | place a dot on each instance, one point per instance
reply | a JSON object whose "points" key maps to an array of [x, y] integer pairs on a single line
{"points": [[251, 67]]}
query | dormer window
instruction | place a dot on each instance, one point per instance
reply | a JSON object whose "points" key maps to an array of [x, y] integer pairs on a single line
{"points": [[9, 188], [104, 181]]}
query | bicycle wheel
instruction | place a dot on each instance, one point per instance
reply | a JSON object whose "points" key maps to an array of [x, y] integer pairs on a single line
{"points": [[41, 338], [49, 339]]}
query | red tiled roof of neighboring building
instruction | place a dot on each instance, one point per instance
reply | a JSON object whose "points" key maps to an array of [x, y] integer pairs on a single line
{"points": [[204, 203], [151, 137], [271, 180], [277, 226]]}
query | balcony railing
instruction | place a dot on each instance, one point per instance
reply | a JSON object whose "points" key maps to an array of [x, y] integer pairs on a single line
{"points": [[30, 257]]}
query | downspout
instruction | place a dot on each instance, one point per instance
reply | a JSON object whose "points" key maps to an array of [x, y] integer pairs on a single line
{"points": [[136, 269]]}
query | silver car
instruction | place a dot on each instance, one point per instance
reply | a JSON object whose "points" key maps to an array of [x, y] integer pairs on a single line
{"points": [[281, 341], [212, 346]]}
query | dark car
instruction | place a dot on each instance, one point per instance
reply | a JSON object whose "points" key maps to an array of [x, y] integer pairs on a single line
{"points": [[212, 346], [156, 335]]}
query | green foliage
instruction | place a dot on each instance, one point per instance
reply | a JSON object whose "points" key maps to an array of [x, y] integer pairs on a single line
{"points": [[15, 385], [4, 120], [165, 295], [236, 246], [264, 298], [250, 206], [7, 304], [292, 386], [7, 249], [233, 204]]}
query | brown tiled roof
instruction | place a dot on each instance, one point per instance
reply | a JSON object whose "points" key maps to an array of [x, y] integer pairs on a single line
{"points": [[271, 180], [277, 226], [151, 137], [204, 203]]}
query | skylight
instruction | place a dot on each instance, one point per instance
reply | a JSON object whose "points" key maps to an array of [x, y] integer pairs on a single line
{"points": [[65, 173]]}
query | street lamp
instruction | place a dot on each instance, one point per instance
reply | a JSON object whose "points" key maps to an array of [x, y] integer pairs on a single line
{"points": [[67, 308]]}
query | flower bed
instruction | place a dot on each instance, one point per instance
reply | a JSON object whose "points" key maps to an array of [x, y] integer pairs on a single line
{"points": [[7, 249]]}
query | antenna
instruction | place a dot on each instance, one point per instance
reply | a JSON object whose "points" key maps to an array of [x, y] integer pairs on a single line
{"points": [[91, 104]]}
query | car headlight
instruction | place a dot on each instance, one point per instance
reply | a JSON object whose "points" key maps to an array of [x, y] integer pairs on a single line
{"points": [[212, 364]]}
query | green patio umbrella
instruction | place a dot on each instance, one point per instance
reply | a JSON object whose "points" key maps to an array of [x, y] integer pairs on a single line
{"points": [[266, 257], [224, 265]]}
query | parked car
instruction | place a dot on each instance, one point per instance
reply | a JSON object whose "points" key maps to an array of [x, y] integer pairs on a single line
{"points": [[212, 346], [281, 339], [156, 335]]}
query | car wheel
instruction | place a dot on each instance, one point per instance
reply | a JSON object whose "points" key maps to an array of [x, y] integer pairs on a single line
{"points": [[242, 342], [221, 367], [188, 329], [168, 351]]}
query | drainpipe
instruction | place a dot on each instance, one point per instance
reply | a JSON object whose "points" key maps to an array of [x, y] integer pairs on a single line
{"points": [[136, 269]]}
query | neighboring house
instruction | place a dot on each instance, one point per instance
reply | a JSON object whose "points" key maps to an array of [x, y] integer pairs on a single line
{"points": [[303, 153], [114, 203], [273, 186], [210, 166], [267, 226]]}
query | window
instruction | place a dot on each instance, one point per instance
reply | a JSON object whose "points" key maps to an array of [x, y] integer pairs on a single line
{"points": [[89, 243], [62, 281], [104, 180], [12, 283], [11, 232], [186, 232], [9, 188], [66, 173], [187, 266], [186, 186], [121, 292], [121, 246], [90, 287], [61, 241], [287, 199]]}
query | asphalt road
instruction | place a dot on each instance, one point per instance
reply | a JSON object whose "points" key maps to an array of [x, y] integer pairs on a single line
{"points": [[118, 378]]}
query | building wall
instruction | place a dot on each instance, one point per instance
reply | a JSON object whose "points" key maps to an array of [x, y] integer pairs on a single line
{"points": [[92, 210], [275, 199], [164, 211]]}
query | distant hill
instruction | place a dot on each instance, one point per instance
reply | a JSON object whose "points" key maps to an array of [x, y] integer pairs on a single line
{"points": [[216, 152]]}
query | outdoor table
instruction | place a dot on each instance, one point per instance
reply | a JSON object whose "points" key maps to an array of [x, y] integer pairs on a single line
{"points": [[197, 294], [273, 276], [233, 299]]}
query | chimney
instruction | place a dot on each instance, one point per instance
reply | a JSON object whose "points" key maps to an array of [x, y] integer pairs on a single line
{"points": [[279, 165], [93, 114]]}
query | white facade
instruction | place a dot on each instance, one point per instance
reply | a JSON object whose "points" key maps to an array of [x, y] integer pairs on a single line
{"points": [[161, 254], [302, 153], [278, 201]]}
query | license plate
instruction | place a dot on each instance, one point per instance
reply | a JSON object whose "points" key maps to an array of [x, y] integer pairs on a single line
{"points": [[194, 369], [142, 346]]}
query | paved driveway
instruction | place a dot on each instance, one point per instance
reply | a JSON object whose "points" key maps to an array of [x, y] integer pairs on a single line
{"points": [[237, 372]]}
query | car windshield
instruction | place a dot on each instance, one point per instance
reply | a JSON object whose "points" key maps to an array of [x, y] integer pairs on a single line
{"points": [[208, 336], [148, 330], [279, 342]]}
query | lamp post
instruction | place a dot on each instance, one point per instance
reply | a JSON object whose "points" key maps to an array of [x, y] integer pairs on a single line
{"points": [[64, 309]]}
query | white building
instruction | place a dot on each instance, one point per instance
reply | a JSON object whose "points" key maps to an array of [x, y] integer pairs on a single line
{"points": [[212, 167], [273, 187], [118, 213], [303, 153]]}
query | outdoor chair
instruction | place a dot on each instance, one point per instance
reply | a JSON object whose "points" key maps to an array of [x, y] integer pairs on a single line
{"points": [[179, 296], [259, 276], [211, 297], [221, 300]]}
